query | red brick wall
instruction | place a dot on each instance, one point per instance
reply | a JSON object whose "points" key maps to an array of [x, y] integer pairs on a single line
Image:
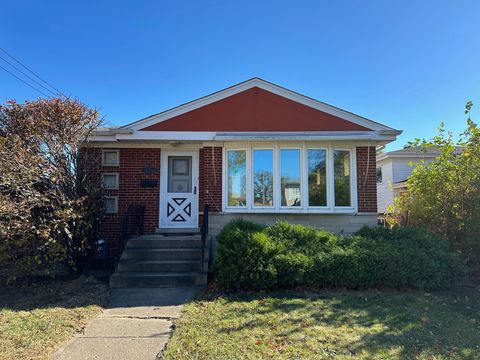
{"points": [[210, 172], [367, 190], [131, 173]]}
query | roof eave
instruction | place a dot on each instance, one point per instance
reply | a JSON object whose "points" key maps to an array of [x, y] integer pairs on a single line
{"points": [[115, 135]]}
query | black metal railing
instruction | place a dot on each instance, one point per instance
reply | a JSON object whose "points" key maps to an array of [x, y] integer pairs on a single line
{"points": [[204, 233], [131, 224]]}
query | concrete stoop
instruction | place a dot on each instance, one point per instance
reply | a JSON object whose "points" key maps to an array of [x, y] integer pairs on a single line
{"points": [[162, 260]]}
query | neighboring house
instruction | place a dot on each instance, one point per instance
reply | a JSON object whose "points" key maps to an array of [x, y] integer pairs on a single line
{"points": [[393, 170], [254, 150]]}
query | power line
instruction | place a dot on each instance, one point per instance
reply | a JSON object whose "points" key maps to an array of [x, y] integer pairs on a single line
{"points": [[38, 76], [22, 72], [33, 87]]}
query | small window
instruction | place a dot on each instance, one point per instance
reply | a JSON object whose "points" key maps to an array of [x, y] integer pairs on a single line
{"points": [[110, 181], [110, 157], [179, 174], [379, 175], [237, 178], [111, 204]]}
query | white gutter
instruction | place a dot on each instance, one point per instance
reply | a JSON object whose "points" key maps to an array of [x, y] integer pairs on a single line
{"points": [[407, 156], [309, 135]]}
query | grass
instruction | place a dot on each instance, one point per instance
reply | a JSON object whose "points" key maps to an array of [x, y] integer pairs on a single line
{"points": [[327, 325], [37, 320]]}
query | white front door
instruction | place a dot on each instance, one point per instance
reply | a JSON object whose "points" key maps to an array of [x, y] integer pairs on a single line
{"points": [[179, 189]]}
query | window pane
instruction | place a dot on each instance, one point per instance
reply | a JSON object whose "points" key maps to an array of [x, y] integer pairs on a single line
{"points": [[379, 175], [317, 177], [290, 177], [110, 205], [110, 158], [236, 177], [179, 174], [263, 177], [341, 165], [110, 181]]}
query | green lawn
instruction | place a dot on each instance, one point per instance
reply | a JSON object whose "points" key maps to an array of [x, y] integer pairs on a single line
{"points": [[37, 320], [324, 325]]}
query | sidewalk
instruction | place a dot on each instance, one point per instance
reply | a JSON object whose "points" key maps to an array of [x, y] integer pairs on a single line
{"points": [[136, 325]]}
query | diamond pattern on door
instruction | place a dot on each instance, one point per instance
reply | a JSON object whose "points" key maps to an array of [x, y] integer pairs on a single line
{"points": [[179, 201], [179, 210], [188, 209]]}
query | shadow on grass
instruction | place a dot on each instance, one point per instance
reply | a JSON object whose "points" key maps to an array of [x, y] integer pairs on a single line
{"points": [[66, 293], [417, 324]]}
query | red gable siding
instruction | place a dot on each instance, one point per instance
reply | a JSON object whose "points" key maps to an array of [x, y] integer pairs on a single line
{"points": [[255, 110]]}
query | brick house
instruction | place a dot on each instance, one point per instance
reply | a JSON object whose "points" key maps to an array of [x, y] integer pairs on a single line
{"points": [[254, 150]]}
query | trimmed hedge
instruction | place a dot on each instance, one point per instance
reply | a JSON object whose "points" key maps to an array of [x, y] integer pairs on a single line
{"points": [[251, 256]]}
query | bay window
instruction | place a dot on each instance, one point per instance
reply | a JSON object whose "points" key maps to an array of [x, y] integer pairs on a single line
{"points": [[278, 178]]}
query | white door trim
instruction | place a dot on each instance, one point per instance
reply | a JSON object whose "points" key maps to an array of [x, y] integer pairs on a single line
{"points": [[164, 195]]}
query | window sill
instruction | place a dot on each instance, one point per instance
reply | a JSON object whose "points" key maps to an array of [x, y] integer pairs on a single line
{"points": [[350, 211]]}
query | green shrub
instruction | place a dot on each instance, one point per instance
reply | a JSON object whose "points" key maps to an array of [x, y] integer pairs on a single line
{"points": [[251, 256], [292, 268], [295, 237], [422, 259], [245, 257]]}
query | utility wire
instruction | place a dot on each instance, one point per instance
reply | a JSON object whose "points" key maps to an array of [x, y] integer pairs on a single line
{"points": [[28, 76], [38, 76], [33, 87]]}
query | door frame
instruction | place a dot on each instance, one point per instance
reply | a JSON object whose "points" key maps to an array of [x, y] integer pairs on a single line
{"points": [[164, 182]]}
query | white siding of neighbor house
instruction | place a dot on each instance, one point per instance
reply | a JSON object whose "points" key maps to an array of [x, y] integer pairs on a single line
{"points": [[384, 190], [394, 170]]}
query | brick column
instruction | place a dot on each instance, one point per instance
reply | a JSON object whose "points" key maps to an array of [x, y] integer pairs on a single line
{"points": [[366, 179], [210, 173]]}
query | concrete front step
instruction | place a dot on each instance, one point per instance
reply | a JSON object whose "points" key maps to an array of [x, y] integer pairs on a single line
{"points": [[178, 231], [165, 243], [164, 253], [162, 260], [157, 279], [168, 237], [160, 266]]}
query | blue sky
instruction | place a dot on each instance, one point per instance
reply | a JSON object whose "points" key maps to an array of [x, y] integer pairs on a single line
{"points": [[408, 64]]}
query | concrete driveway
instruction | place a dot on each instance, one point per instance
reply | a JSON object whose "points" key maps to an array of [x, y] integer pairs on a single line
{"points": [[136, 324]]}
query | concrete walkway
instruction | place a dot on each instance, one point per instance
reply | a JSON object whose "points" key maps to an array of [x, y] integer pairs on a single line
{"points": [[136, 325]]}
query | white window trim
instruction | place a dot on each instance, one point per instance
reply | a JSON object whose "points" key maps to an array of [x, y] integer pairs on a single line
{"points": [[304, 208], [116, 180], [116, 204], [117, 151]]}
